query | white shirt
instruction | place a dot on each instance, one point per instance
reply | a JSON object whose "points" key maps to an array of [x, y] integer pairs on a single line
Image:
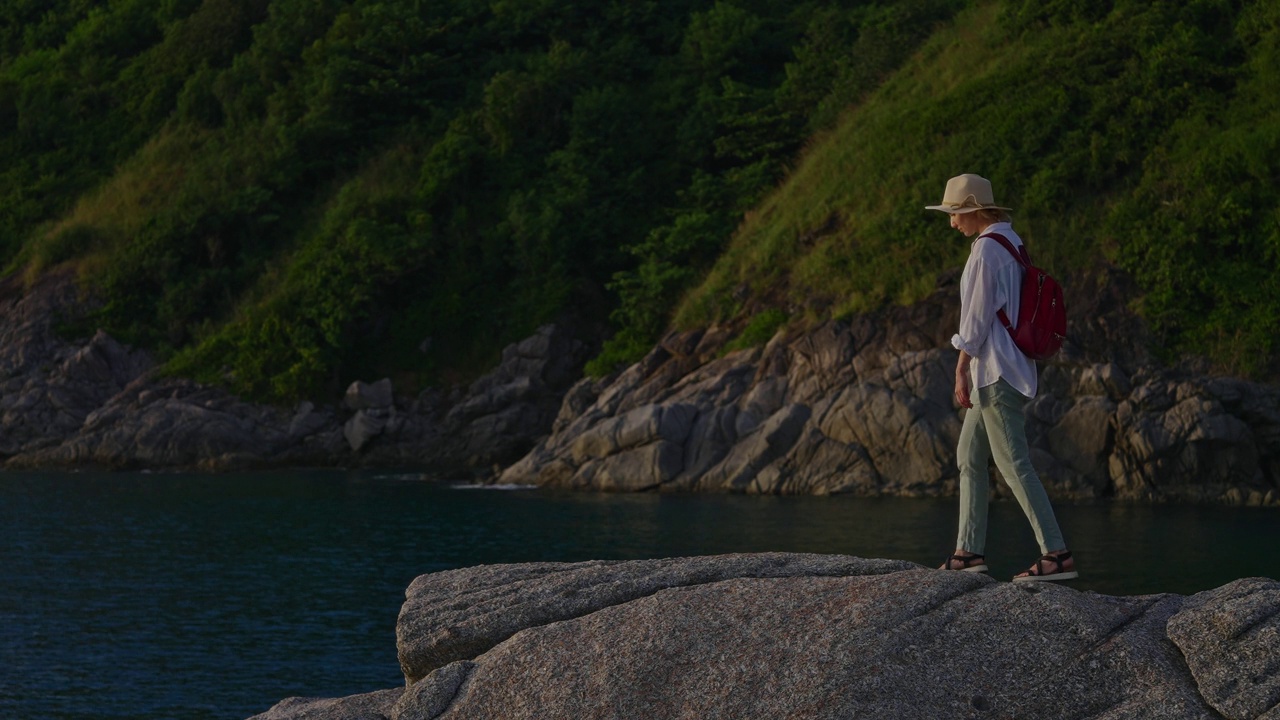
{"points": [[992, 280]]}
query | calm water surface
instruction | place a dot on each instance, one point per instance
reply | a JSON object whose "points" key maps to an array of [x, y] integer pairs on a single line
{"points": [[184, 596]]}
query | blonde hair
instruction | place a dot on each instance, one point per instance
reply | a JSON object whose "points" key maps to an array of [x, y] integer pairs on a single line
{"points": [[993, 215]]}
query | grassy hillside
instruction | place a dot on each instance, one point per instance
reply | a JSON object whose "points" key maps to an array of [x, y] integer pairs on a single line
{"points": [[1140, 133], [284, 196]]}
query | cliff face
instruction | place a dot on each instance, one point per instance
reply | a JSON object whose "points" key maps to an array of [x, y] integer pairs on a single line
{"points": [[862, 406], [783, 635], [866, 407], [71, 402]]}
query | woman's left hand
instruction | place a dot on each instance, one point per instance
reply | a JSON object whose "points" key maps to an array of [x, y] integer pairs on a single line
{"points": [[962, 385], [962, 391]]}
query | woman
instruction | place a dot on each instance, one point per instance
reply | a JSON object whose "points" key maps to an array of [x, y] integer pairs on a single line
{"points": [[994, 381]]}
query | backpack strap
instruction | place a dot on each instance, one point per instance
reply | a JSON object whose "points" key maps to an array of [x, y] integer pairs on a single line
{"points": [[1019, 254]]}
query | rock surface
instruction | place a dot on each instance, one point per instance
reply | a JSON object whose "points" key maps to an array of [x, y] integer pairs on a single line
{"points": [[370, 706], [92, 402], [866, 407], [459, 614], [789, 635], [861, 407], [1231, 640]]}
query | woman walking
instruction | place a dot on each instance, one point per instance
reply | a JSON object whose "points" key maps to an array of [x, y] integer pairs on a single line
{"points": [[994, 381]]}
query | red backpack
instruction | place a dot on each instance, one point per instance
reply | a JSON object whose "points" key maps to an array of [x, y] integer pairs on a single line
{"points": [[1042, 315]]}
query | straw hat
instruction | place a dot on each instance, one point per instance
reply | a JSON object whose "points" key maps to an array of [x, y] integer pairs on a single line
{"points": [[966, 193]]}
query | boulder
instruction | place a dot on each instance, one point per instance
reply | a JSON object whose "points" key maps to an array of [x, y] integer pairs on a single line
{"points": [[461, 614], [712, 436], [105, 363], [1173, 443], [761, 447], [361, 395], [506, 411], [815, 636], [185, 426], [819, 465], [581, 396], [365, 425], [1230, 638], [642, 468], [308, 420], [745, 429], [1082, 438], [1107, 379], [640, 426], [369, 706], [914, 644], [903, 435]]}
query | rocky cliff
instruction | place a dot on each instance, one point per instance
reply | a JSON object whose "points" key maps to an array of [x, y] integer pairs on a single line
{"points": [[811, 636], [865, 406], [859, 406], [75, 402]]}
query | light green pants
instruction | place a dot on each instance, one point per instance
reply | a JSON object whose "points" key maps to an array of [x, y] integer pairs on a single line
{"points": [[996, 425]]}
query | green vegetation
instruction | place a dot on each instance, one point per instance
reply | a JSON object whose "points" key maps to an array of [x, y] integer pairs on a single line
{"points": [[284, 196], [758, 331], [1145, 133]]}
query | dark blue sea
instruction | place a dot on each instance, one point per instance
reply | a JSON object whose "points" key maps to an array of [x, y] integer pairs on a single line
{"points": [[215, 596]]}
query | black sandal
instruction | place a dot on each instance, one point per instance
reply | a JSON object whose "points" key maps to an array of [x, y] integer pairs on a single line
{"points": [[966, 563], [1037, 572]]}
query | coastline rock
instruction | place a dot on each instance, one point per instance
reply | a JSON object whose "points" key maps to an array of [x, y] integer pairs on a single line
{"points": [[866, 407], [370, 706], [1231, 640], [505, 412], [861, 406], [365, 396], [794, 635], [460, 614], [365, 425], [92, 402], [173, 423]]}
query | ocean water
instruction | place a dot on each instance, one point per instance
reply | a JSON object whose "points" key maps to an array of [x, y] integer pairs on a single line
{"points": [[216, 596]]}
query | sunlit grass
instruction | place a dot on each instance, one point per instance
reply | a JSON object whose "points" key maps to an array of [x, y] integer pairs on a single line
{"points": [[110, 216], [834, 231], [847, 231]]}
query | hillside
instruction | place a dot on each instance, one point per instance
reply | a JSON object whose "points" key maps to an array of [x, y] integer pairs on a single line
{"points": [[286, 196], [1143, 135]]}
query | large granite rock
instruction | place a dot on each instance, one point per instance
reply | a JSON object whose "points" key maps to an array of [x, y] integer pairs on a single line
{"points": [[369, 706], [460, 614], [1231, 640], [784, 635]]}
